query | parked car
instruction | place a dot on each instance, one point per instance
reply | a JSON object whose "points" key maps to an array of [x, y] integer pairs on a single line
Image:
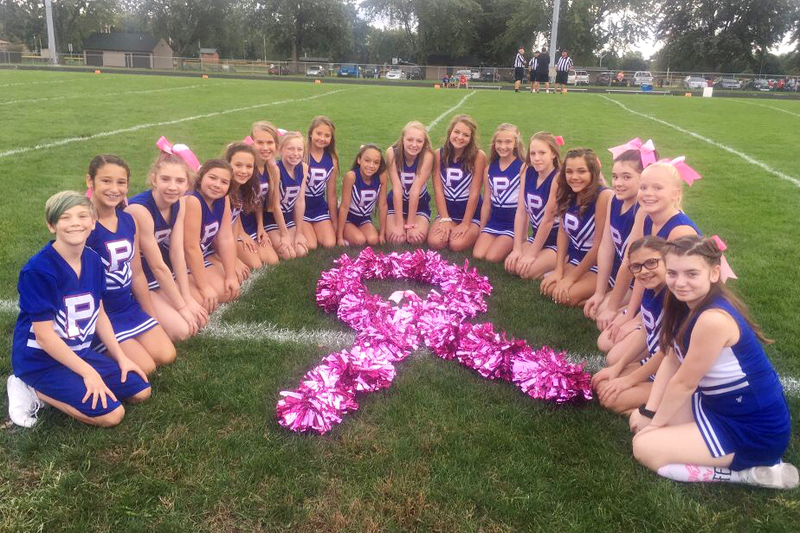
{"points": [[316, 71], [396, 74], [643, 77], [757, 85], [604, 78], [278, 70], [578, 77], [694, 82], [349, 70], [727, 83]]}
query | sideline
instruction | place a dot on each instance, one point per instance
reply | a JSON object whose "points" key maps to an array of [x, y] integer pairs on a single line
{"points": [[712, 142], [440, 117], [138, 127]]}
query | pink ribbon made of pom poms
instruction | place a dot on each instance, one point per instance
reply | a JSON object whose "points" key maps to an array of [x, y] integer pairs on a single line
{"points": [[387, 333]]}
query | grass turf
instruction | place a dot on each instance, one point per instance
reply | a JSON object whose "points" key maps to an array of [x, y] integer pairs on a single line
{"points": [[443, 449]]}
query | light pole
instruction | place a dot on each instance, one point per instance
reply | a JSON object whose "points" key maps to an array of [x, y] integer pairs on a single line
{"points": [[554, 33], [51, 33], [600, 65]]}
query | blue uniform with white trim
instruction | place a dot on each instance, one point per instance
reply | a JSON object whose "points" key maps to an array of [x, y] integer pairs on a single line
{"points": [[407, 176], [363, 199], [739, 404], [162, 231], [504, 184], [456, 183], [620, 225], [536, 197], [116, 249], [651, 310], [678, 219], [288, 189], [319, 172], [249, 223], [49, 289], [580, 227]]}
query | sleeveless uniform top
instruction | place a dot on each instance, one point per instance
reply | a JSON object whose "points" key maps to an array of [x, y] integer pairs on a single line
{"points": [[536, 198], [408, 174], [319, 173], [580, 227], [652, 308], [363, 197], [456, 183], [289, 188], [505, 196], [115, 249], [678, 219], [162, 230], [621, 225], [211, 219], [249, 219], [49, 289]]}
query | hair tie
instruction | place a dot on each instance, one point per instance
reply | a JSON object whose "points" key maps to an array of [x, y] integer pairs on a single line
{"points": [[647, 150], [725, 270], [559, 140], [248, 141], [687, 173]]}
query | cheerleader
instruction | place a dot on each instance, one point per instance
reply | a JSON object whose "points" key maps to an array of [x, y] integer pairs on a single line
{"points": [[501, 184], [582, 205], [115, 238], [363, 187], [159, 213], [716, 411], [409, 162], [323, 169], [533, 257], [61, 307], [290, 195], [207, 221], [455, 189]]}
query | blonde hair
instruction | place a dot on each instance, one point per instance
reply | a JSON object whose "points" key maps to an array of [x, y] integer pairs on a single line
{"points": [[399, 150], [673, 175], [265, 125], [289, 136], [63, 201], [165, 158], [550, 140], [518, 148]]}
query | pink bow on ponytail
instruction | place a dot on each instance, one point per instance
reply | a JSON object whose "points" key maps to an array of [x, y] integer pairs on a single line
{"points": [[181, 150], [647, 150], [725, 270], [248, 141], [559, 140], [687, 173]]}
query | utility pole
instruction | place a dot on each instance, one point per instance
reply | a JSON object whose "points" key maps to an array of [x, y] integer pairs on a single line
{"points": [[554, 33], [51, 32]]}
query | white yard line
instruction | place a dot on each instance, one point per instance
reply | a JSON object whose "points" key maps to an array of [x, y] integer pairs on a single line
{"points": [[728, 149], [138, 127], [771, 107], [36, 83], [123, 93], [440, 117]]}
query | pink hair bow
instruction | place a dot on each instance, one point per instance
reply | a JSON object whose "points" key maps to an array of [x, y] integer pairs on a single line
{"points": [[181, 150], [725, 270], [281, 132], [688, 174], [647, 150], [559, 140], [248, 141]]}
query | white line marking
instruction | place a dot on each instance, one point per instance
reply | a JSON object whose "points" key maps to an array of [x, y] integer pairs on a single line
{"points": [[36, 82], [9, 306], [772, 107], [97, 95], [440, 117], [744, 156], [69, 140]]}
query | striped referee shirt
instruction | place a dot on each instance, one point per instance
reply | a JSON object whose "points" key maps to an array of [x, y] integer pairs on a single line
{"points": [[519, 61], [564, 64], [534, 63]]}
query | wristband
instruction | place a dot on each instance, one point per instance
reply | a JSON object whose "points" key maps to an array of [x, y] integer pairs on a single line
{"points": [[644, 411], [445, 219]]}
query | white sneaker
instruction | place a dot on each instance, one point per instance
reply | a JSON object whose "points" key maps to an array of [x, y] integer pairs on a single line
{"points": [[780, 476], [23, 404]]}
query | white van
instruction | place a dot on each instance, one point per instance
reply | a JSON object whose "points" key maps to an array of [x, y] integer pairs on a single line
{"points": [[643, 77]]}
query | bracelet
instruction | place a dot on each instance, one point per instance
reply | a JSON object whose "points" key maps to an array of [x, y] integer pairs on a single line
{"points": [[445, 219], [644, 411]]}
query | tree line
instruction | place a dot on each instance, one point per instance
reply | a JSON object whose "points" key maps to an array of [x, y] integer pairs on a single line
{"points": [[720, 35]]}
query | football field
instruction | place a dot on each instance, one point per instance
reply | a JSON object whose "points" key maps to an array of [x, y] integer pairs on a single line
{"points": [[442, 449]]}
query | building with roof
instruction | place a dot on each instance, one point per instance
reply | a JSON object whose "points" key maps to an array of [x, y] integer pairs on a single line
{"points": [[127, 50], [209, 55]]}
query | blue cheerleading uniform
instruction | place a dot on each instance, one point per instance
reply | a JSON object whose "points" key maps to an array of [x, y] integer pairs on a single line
{"points": [[620, 225], [504, 185], [536, 197], [678, 219], [580, 227], [407, 176], [319, 173], [289, 190], [739, 405], [456, 183], [249, 223], [210, 223], [50, 290], [116, 249], [363, 199], [651, 310], [162, 231]]}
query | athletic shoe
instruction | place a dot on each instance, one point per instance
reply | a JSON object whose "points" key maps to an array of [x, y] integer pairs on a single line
{"points": [[23, 404], [780, 476]]}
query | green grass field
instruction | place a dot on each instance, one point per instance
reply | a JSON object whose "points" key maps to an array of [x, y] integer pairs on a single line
{"points": [[443, 449]]}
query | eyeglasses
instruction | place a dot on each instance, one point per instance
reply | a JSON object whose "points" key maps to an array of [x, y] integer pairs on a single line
{"points": [[650, 264]]}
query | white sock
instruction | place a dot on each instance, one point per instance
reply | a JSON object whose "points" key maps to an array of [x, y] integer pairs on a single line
{"points": [[697, 474], [779, 476]]}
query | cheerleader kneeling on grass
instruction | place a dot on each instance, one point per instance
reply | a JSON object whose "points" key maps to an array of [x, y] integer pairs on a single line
{"points": [[716, 411], [363, 188], [60, 299]]}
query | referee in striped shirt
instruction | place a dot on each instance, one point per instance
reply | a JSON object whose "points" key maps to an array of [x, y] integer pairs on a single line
{"points": [[563, 66], [519, 69]]}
